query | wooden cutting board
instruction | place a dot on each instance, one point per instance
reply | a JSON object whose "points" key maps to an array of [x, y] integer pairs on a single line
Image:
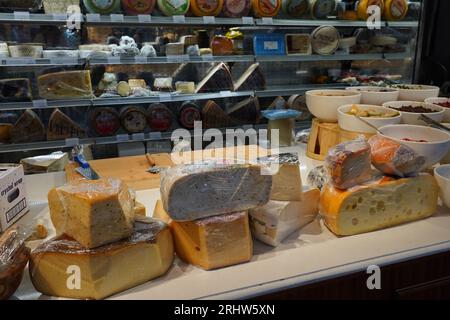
{"points": [[133, 170]]}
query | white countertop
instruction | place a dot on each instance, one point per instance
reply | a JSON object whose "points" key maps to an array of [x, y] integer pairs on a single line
{"points": [[312, 254]]}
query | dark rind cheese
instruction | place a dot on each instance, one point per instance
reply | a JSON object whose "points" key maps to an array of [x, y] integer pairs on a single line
{"points": [[159, 117], [252, 79], [29, 128], [186, 72], [236, 8], [214, 116], [105, 121], [246, 111], [133, 119], [189, 113], [5, 132], [102, 6], [61, 127], [218, 79], [136, 7], [15, 90]]}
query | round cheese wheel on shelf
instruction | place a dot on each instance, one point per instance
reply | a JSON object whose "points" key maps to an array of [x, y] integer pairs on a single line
{"points": [[202, 8], [189, 113], [133, 119], [173, 7], [105, 121], [236, 8], [136, 7], [395, 10], [295, 8], [266, 8], [159, 117], [363, 5], [102, 6], [321, 9]]}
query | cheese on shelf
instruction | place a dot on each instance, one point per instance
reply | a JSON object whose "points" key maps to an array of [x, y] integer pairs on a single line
{"points": [[287, 182], [211, 243], [395, 10], [236, 8], [136, 7], [195, 191], [5, 132], [102, 6], [215, 117], [277, 220], [252, 79], [202, 8], [50, 54], [363, 5], [245, 112], [295, 8], [15, 90], [61, 127], [381, 204], [147, 254], [218, 79], [133, 119], [266, 8], [28, 128], [139, 209], [173, 7], [65, 85], [94, 213]]}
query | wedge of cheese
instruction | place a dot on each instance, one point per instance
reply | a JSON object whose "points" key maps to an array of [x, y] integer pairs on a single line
{"points": [[287, 183], [147, 254], [211, 243], [191, 192], [377, 205], [277, 220], [94, 213], [65, 85]]}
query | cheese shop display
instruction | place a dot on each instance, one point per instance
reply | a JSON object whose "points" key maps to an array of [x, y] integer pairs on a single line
{"points": [[202, 8], [159, 117], [65, 85], [102, 6], [189, 113], [145, 254], [266, 8], [25, 50], [173, 7]]}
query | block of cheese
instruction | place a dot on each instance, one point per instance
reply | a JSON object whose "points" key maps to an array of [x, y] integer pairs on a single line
{"points": [[147, 254], [50, 54], [15, 90], [287, 182], [28, 128], [61, 127], [380, 204], [215, 117], [65, 85], [349, 164], [139, 209], [94, 213], [218, 79], [211, 243], [252, 79], [277, 220], [195, 191]]}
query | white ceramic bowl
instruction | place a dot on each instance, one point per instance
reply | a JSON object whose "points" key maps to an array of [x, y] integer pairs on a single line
{"points": [[446, 159], [441, 100], [323, 104], [374, 95], [351, 123], [442, 175], [413, 118], [434, 150], [417, 92]]}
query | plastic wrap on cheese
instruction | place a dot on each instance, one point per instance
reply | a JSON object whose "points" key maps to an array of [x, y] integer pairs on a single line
{"points": [[348, 164], [65, 85], [191, 192], [378, 204], [393, 158], [146, 254], [94, 213]]}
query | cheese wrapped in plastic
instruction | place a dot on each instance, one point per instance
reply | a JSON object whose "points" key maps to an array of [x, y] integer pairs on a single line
{"points": [[147, 254], [348, 164], [379, 204], [195, 191], [65, 85], [94, 213], [393, 158]]}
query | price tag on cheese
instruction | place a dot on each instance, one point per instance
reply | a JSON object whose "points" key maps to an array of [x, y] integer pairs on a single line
{"points": [[155, 136], [268, 21], [113, 60], [165, 97], [209, 20], [177, 59], [247, 20], [140, 59], [18, 61], [179, 19], [226, 93], [21, 15], [144, 18], [207, 57], [59, 16], [138, 137], [122, 138], [72, 142], [93, 17], [116, 17], [270, 45], [38, 104]]}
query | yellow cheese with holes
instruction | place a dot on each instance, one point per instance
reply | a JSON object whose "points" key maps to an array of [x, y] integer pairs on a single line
{"points": [[211, 243], [147, 254], [94, 213], [377, 205]]}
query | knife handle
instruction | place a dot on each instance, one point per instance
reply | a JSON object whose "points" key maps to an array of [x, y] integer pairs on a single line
{"points": [[79, 158]]}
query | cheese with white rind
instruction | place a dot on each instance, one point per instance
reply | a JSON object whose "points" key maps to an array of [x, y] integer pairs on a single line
{"points": [[196, 191], [94, 213], [211, 243], [147, 254], [277, 220], [378, 205], [65, 85]]}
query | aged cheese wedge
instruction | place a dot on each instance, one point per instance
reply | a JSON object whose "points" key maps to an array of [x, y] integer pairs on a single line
{"points": [[94, 213], [147, 254], [211, 243], [214, 117], [252, 79], [385, 203], [65, 85], [277, 220], [287, 183], [245, 112], [28, 128], [218, 79], [61, 127], [206, 189], [14, 90], [5, 132]]}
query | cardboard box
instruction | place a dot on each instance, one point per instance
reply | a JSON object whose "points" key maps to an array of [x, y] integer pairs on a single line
{"points": [[13, 196]]}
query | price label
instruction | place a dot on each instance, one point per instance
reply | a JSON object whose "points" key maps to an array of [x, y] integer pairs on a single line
{"points": [[16, 61], [116, 17], [209, 20], [140, 59], [122, 138], [72, 142], [267, 21], [113, 60], [225, 93], [179, 19], [40, 104], [155, 136], [93, 17], [138, 137], [247, 20], [165, 97], [64, 61], [21, 15], [177, 59], [207, 57], [59, 16], [144, 18]]}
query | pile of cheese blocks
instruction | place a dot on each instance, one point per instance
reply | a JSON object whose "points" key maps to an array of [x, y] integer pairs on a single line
{"points": [[101, 248]]}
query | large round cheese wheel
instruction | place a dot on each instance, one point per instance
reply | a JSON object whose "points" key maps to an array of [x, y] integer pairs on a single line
{"points": [[133, 119], [159, 117], [173, 7], [395, 9], [236, 8], [135, 7], [321, 9], [266, 8], [105, 121], [295, 8], [102, 6], [364, 4], [189, 113], [202, 8]]}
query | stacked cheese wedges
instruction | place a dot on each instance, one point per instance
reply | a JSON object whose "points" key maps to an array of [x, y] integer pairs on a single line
{"points": [[290, 208], [206, 206], [100, 250]]}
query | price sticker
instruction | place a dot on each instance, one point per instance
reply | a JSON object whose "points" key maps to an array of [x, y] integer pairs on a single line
{"points": [[247, 20], [179, 19], [122, 138], [40, 104], [209, 20], [155, 136], [21, 15], [268, 21], [72, 142], [144, 18], [138, 137], [93, 17], [116, 17]]}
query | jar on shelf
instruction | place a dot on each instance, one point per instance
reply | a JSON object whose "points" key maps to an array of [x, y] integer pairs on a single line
{"points": [[221, 46], [237, 38]]}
